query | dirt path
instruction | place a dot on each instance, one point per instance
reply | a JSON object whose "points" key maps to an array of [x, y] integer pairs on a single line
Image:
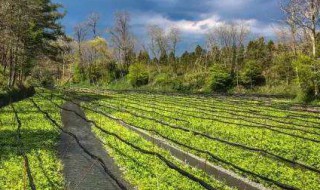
{"points": [[82, 172]]}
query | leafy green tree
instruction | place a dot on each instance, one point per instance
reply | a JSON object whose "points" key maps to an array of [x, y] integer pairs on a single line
{"points": [[143, 57], [138, 75], [163, 58], [185, 58], [220, 79], [308, 77], [172, 59], [251, 74]]}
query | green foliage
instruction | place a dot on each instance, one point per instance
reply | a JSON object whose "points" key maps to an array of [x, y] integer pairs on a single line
{"points": [[40, 141], [163, 58], [42, 77], [251, 75], [162, 79], [220, 79], [78, 73], [143, 57], [120, 84], [138, 75], [308, 77], [2, 80], [282, 70], [195, 81]]}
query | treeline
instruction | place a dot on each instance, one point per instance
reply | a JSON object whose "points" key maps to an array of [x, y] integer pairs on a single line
{"points": [[231, 61]]}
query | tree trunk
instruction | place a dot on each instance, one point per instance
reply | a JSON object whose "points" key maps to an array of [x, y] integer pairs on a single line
{"points": [[313, 41], [10, 67]]}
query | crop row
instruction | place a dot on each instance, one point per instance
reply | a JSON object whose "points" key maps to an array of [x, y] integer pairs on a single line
{"points": [[227, 133], [28, 156], [248, 160], [145, 165]]}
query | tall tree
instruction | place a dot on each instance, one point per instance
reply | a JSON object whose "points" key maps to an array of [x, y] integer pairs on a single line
{"points": [[175, 38], [122, 38], [304, 14], [80, 34], [93, 23], [230, 37], [29, 29]]}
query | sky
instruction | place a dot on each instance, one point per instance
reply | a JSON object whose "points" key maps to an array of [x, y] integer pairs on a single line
{"points": [[193, 17]]}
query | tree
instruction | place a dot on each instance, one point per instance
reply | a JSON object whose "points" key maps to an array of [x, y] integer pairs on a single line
{"points": [[175, 38], [143, 57], [159, 42], [162, 43], [28, 30], [251, 75], [80, 34], [309, 77], [304, 14], [230, 37], [93, 23], [122, 38]]}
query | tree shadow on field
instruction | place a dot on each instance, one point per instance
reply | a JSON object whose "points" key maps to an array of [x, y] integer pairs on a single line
{"points": [[33, 141]]}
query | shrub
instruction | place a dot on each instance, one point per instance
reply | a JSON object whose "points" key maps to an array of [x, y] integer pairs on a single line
{"points": [[220, 79], [138, 75], [251, 75], [42, 78], [195, 81], [162, 79], [308, 77], [78, 75]]}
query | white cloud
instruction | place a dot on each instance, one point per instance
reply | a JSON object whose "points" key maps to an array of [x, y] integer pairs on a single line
{"points": [[186, 26], [199, 27]]}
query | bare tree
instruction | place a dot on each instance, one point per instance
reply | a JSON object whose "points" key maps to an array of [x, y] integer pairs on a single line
{"points": [[158, 40], [175, 38], [230, 37], [304, 14], [122, 38], [80, 34], [93, 23]]}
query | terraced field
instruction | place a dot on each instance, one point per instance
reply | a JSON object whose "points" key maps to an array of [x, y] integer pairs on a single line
{"points": [[269, 142], [266, 142]]}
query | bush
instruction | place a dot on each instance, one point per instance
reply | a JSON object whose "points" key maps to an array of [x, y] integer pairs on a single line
{"points": [[138, 75], [162, 79], [78, 74], [308, 77], [251, 75], [42, 78], [195, 81], [220, 79]]}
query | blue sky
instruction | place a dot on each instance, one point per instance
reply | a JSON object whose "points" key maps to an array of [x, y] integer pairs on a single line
{"points": [[193, 17]]}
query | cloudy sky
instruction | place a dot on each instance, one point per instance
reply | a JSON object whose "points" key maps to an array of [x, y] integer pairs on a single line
{"points": [[193, 17]]}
